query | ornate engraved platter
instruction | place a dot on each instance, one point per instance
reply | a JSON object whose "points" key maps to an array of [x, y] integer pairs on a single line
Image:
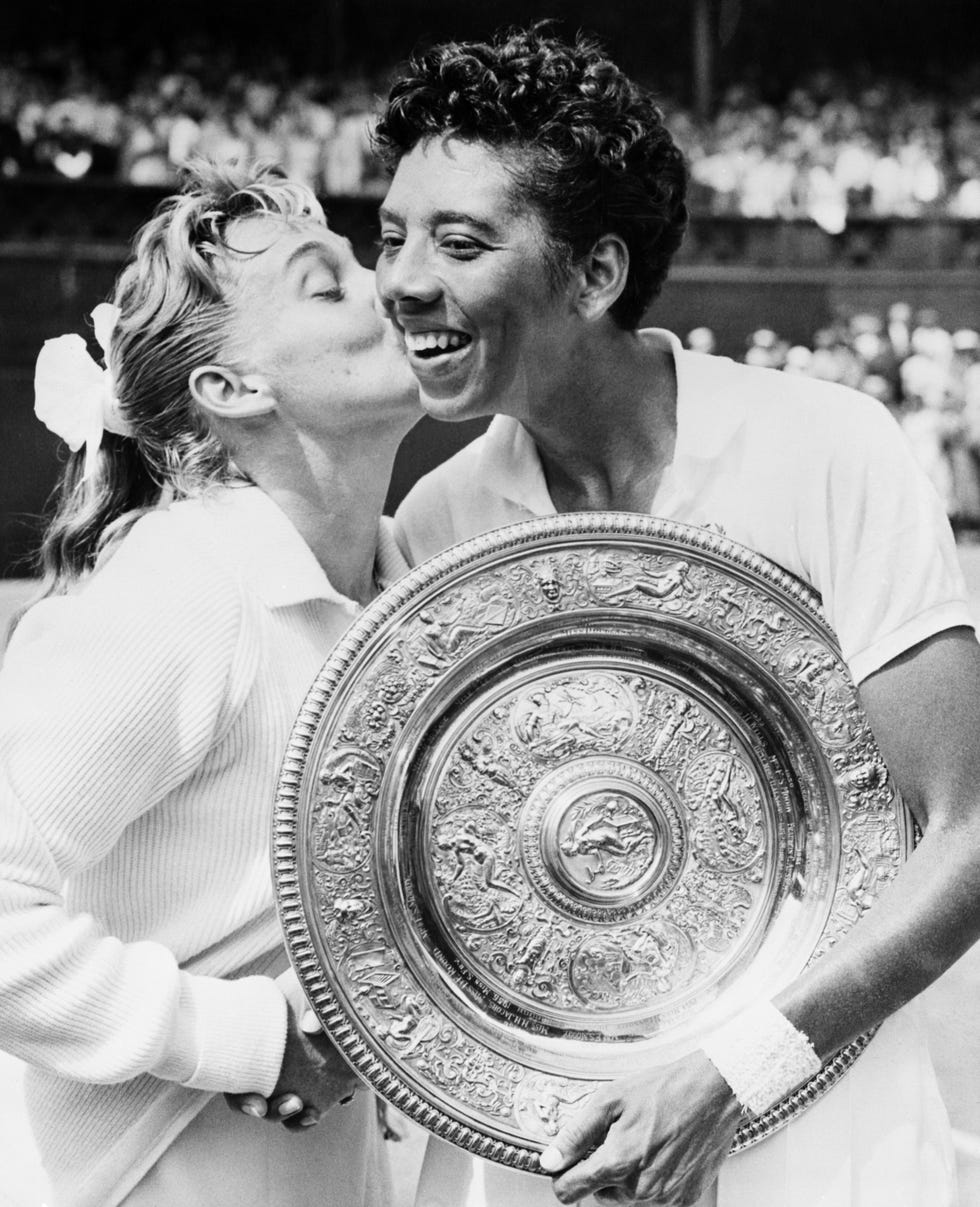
{"points": [[564, 799]]}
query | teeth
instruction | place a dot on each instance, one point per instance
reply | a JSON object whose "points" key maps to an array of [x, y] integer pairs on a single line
{"points": [[423, 341]]}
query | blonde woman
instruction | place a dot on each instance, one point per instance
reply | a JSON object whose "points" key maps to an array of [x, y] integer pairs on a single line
{"points": [[218, 526]]}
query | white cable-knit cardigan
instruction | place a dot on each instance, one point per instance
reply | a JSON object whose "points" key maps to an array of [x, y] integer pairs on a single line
{"points": [[142, 723]]}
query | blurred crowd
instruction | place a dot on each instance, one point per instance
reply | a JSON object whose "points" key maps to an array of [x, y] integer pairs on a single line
{"points": [[926, 375], [835, 149], [832, 149], [63, 115]]}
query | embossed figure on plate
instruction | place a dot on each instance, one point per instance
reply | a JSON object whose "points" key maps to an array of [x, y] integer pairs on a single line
{"points": [[549, 581], [871, 859], [472, 857], [680, 718], [613, 972], [712, 909], [543, 1104], [481, 754], [608, 840], [413, 1025], [757, 622], [723, 793], [535, 962], [592, 712], [823, 688], [347, 786], [614, 577]]}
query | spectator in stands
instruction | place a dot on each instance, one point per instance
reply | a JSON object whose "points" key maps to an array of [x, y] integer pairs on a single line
{"points": [[12, 150], [798, 359], [874, 350], [766, 349], [145, 153], [702, 339], [970, 385], [834, 359], [65, 144], [931, 427]]}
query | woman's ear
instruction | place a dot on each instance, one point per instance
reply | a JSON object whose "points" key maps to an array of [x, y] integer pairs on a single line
{"points": [[602, 276], [225, 395]]}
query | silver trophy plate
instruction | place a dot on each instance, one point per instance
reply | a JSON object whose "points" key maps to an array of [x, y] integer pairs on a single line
{"points": [[562, 801]]}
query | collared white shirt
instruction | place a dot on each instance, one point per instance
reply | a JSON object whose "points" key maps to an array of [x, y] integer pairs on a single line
{"points": [[816, 477], [819, 479], [274, 558], [143, 720]]}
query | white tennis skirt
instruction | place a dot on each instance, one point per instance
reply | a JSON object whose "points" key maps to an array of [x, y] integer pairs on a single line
{"points": [[226, 1159]]}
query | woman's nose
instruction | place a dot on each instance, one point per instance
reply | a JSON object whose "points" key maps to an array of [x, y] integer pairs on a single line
{"points": [[404, 274]]}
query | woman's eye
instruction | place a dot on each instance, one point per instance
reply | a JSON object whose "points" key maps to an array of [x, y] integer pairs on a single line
{"points": [[461, 247], [326, 289]]}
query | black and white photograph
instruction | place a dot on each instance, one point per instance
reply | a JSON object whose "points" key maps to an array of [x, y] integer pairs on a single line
{"points": [[489, 585]]}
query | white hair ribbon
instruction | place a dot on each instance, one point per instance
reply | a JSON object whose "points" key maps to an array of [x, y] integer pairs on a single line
{"points": [[73, 397]]}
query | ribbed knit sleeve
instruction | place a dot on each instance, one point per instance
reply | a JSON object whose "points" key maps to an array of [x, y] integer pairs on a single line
{"points": [[109, 699]]}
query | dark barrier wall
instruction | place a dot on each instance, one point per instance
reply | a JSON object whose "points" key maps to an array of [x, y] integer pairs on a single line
{"points": [[60, 248]]}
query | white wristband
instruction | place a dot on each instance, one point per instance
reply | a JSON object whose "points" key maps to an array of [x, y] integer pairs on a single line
{"points": [[762, 1056]]}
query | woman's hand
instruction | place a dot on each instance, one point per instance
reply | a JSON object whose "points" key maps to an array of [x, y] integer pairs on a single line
{"points": [[312, 1079], [659, 1136]]}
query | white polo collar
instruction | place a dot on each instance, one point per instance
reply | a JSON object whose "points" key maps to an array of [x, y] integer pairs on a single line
{"points": [[278, 563], [509, 463]]}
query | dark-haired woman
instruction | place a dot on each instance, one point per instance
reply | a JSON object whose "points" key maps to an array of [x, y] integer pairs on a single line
{"points": [[535, 203], [218, 527]]}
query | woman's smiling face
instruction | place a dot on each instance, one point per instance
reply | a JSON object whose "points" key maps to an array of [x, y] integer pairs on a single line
{"points": [[464, 275]]}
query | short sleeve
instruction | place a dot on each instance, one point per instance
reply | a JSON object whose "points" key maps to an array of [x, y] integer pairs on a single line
{"points": [[888, 569]]}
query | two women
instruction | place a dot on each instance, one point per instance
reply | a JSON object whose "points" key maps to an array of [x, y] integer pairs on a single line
{"points": [[218, 527], [535, 204]]}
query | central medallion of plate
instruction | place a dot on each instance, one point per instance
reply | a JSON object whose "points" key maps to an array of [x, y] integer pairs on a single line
{"points": [[595, 841], [602, 838]]}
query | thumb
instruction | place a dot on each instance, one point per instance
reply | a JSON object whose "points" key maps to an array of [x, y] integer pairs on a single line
{"points": [[309, 1024], [579, 1136]]}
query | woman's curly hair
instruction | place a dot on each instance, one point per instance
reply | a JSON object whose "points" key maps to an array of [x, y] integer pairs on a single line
{"points": [[586, 146]]}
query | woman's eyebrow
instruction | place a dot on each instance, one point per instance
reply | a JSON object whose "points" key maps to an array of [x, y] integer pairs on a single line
{"points": [[313, 247], [445, 218], [461, 218]]}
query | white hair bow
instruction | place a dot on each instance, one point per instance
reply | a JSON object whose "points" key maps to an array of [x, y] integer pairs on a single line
{"points": [[73, 397]]}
